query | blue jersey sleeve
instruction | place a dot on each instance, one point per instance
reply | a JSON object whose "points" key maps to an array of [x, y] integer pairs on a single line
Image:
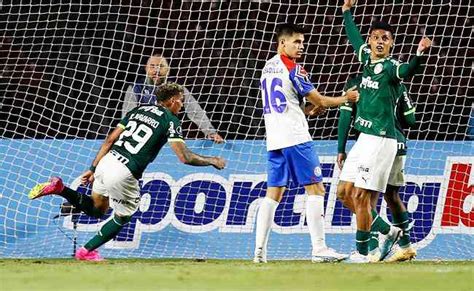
{"points": [[300, 79], [144, 94]]}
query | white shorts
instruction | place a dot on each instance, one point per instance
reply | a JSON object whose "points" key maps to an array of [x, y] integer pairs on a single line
{"points": [[369, 162], [397, 173], [114, 180]]}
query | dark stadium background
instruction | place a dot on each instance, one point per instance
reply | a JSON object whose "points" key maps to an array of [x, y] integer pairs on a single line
{"points": [[65, 66]]}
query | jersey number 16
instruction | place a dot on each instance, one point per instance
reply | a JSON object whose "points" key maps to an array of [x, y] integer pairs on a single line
{"points": [[275, 100]]}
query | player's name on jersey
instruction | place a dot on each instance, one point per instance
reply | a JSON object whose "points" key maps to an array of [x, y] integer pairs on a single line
{"points": [[272, 70], [145, 119]]}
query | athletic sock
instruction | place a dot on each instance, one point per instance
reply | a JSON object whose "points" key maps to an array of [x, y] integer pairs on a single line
{"points": [[378, 224], [362, 242], [315, 220], [108, 231], [265, 217], [402, 221], [374, 240], [81, 202]]}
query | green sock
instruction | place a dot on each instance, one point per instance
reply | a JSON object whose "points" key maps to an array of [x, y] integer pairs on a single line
{"points": [[378, 224], [81, 202], [402, 221], [362, 242], [107, 232], [374, 240]]}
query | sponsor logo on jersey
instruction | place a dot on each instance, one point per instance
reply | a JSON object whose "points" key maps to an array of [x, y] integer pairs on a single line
{"points": [[367, 82], [363, 122], [301, 72]]}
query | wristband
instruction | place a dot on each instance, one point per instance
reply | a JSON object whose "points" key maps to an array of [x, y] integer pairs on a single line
{"points": [[92, 168]]}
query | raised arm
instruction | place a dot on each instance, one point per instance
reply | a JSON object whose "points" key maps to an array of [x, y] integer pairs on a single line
{"points": [[407, 70], [187, 157], [353, 34]]}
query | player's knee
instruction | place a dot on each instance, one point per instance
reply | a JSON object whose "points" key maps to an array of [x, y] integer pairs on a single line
{"points": [[391, 194], [362, 197], [101, 202], [341, 191]]}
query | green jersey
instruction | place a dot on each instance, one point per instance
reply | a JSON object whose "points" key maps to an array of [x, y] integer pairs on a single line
{"points": [[379, 86], [404, 117], [147, 129]]}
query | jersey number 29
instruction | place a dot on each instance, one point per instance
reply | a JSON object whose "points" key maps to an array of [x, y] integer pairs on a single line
{"points": [[140, 135]]}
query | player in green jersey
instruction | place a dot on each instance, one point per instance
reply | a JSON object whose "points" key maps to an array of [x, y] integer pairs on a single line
{"points": [[120, 162], [405, 117], [370, 160]]}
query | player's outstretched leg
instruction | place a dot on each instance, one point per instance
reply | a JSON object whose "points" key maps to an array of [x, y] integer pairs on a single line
{"points": [[108, 231], [55, 186]]}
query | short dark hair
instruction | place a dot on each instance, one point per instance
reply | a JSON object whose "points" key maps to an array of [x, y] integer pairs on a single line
{"points": [[168, 90], [288, 29], [383, 26]]}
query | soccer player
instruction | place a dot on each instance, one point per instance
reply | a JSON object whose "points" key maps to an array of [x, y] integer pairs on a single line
{"points": [[141, 93], [371, 158], [405, 117], [291, 154], [120, 162]]}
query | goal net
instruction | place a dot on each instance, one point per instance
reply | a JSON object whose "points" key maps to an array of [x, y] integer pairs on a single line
{"points": [[66, 67]]}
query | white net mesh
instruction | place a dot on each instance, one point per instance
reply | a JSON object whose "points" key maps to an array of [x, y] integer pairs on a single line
{"points": [[65, 69]]}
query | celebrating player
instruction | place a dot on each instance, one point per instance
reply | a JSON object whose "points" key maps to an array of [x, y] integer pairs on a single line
{"points": [[405, 117], [141, 93], [291, 153], [120, 162], [370, 160]]}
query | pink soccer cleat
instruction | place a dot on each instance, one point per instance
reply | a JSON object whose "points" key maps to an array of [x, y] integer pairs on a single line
{"points": [[54, 186], [83, 254]]}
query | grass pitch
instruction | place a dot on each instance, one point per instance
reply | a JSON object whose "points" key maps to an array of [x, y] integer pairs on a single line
{"points": [[134, 274]]}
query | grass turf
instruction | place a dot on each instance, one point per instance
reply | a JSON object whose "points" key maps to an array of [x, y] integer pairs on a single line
{"points": [[138, 274]]}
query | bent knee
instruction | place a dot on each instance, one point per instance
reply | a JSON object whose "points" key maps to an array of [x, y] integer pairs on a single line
{"points": [[101, 202]]}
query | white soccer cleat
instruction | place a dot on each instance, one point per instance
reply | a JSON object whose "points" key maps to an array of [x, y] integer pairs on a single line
{"points": [[388, 241], [260, 256], [357, 258], [374, 255], [327, 255], [400, 255]]}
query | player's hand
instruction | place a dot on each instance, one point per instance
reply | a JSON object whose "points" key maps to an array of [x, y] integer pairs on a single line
{"points": [[424, 44], [87, 177], [341, 158], [352, 95], [348, 4], [218, 163], [215, 137], [312, 110]]}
